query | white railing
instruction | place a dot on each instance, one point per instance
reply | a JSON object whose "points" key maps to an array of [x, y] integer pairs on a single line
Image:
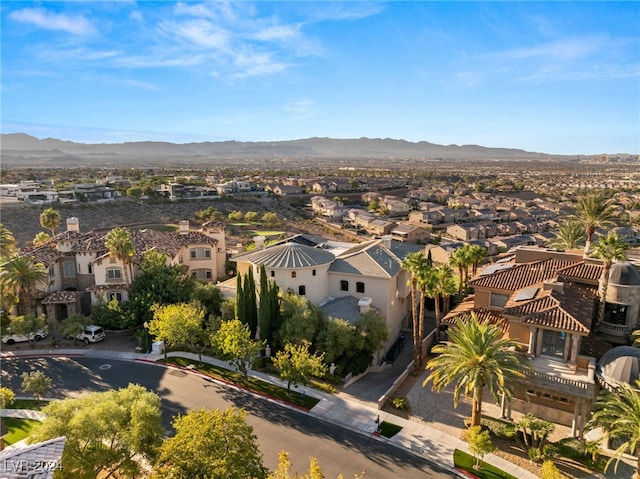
{"points": [[578, 388], [614, 329]]}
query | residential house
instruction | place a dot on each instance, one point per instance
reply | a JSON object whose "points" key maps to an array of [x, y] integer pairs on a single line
{"points": [[408, 233]]}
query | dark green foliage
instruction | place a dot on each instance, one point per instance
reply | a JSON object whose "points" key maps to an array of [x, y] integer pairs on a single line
{"points": [[110, 315], [301, 321], [158, 284], [209, 296], [241, 305], [251, 305], [269, 307]]}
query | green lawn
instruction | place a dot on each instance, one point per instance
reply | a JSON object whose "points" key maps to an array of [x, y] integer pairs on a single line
{"points": [[465, 461], [27, 404], [388, 429], [18, 428], [159, 227], [267, 232], [257, 385]]}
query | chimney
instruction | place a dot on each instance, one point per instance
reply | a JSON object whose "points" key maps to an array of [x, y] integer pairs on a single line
{"points": [[386, 241], [259, 240], [73, 225], [365, 305], [184, 227]]}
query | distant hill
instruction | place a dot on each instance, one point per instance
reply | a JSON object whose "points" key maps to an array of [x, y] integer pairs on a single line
{"points": [[19, 149]]}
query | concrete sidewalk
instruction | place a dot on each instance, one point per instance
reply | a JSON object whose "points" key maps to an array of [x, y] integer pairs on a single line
{"points": [[338, 409]]}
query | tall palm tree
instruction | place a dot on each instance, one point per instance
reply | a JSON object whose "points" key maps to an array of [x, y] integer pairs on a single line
{"points": [[120, 246], [41, 238], [570, 235], [461, 260], [477, 357], [439, 286], [50, 220], [609, 249], [7, 242], [476, 254], [414, 263], [618, 414], [594, 211], [19, 276]]}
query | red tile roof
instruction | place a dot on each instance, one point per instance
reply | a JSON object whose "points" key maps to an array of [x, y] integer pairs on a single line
{"points": [[521, 275]]}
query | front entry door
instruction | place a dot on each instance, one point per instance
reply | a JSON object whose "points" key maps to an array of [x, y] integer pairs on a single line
{"points": [[553, 343]]}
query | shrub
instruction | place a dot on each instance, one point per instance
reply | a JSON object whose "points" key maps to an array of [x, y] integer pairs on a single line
{"points": [[400, 402], [550, 471]]}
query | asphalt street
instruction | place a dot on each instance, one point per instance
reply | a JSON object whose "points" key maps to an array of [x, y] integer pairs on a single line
{"points": [[338, 450]]}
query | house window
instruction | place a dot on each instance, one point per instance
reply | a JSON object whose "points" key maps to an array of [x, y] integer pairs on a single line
{"points": [[202, 274], [90, 269], [293, 274], [52, 272], [553, 343], [69, 269], [114, 274], [302, 290], [615, 313], [273, 274], [359, 287], [499, 300], [344, 285], [114, 295], [200, 253], [313, 272]]}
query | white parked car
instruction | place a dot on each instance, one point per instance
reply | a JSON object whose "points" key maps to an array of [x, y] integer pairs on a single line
{"points": [[90, 334], [21, 338]]}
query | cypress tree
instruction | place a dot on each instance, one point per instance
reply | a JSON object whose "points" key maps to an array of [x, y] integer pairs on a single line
{"points": [[251, 308], [274, 309], [241, 310], [264, 311]]}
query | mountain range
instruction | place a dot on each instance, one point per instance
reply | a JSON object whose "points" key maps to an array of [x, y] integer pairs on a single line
{"points": [[22, 150]]}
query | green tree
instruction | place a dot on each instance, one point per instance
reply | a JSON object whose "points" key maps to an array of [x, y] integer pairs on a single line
{"points": [[283, 470], [618, 414], [236, 216], [301, 320], [211, 445], [251, 305], [158, 283], [608, 248], [120, 246], [297, 365], [7, 242], [569, 235], [108, 433], [209, 214], [251, 216], [534, 431], [208, 294], [20, 276], [7, 397], [36, 383], [233, 341], [415, 263], [135, 192], [181, 323], [479, 443], [594, 211], [73, 325], [477, 357], [28, 325], [550, 471], [476, 254], [268, 308], [270, 219], [336, 339], [41, 238], [373, 331], [241, 304], [461, 259], [50, 220]]}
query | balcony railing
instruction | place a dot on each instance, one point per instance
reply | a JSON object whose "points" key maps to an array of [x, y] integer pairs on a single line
{"points": [[577, 388], [614, 329]]}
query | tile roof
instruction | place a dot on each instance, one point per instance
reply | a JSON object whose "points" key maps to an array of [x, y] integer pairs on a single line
{"points": [[288, 255], [45, 254], [521, 275], [582, 271], [483, 314], [372, 260], [63, 297], [46, 452], [345, 308]]}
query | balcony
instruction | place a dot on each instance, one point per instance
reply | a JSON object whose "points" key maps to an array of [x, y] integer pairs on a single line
{"points": [[552, 374], [620, 330]]}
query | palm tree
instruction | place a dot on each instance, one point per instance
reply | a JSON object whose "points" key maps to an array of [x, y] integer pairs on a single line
{"points": [[608, 248], [477, 357], [414, 263], [41, 238], [594, 211], [570, 235], [120, 246], [476, 254], [618, 414], [461, 259], [50, 219], [7, 242], [19, 276], [439, 285]]}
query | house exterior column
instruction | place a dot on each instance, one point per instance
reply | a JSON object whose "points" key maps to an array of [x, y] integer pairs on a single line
{"points": [[576, 419], [568, 341], [576, 339], [533, 340], [539, 341]]}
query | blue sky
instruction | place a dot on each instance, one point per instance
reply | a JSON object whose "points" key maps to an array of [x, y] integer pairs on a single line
{"points": [[555, 77]]}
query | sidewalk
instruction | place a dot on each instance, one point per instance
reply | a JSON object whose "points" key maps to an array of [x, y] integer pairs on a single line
{"points": [[338, 409]]}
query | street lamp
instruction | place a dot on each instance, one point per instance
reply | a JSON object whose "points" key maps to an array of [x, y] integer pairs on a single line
{"points": [[146, 337]]}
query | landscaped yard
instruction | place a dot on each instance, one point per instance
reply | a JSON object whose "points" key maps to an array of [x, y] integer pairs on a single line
{"points": [[253, 384], [18, 428], [465, 461]]}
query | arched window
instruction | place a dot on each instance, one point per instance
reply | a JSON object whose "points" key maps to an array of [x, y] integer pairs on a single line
{"points": [[359, 287], [293, 274], [344, 285], [302, 290]]}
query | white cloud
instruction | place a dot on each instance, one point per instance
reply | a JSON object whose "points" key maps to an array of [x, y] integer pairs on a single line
{"points": [[39, 17], [199, 32]]}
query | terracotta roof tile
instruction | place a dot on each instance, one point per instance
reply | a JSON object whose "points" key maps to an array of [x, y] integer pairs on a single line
{"points": [[582, 271], [521, 275]]}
